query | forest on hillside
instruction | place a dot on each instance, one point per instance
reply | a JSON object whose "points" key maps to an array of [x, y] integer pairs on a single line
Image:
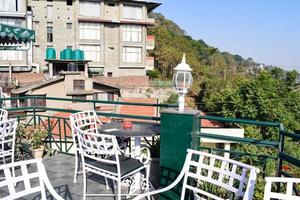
{"points": [[226, 84], [230, 86]]}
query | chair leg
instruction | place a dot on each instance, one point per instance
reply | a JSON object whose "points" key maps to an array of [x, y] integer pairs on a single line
{"points": [[84, 186], [106, 183], [13, 169], [76, 167], [119, 189], [147, 180]]}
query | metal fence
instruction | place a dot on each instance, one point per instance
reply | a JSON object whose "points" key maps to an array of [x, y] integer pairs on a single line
{"points": [[276, 152]]}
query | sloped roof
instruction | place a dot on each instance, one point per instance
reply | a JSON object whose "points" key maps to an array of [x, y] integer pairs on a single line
{"points": [[36, 85], [149, 111], [210, 124]]}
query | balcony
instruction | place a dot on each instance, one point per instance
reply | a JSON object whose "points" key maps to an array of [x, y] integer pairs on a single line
{"points": [[60, 167], [150, 42], [149, 63]]}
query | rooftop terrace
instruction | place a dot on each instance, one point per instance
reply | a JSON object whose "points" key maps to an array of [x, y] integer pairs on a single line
{"points": [[60, 167]]}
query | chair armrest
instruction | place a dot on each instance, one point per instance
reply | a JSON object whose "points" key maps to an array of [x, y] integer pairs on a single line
{"points": [[141, 159], [180, 176]]}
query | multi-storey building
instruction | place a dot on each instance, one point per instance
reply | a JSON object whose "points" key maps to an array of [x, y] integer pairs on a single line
{"points": [[15, 12], [112, 33]]}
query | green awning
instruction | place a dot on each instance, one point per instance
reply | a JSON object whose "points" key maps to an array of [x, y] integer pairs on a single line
{"points": [[15, 35]]}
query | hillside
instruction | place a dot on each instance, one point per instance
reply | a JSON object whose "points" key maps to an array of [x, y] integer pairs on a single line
{"points": [[172, 42]]}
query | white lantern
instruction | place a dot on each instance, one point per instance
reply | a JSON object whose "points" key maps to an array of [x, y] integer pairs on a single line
{"points": [[182, 81]]}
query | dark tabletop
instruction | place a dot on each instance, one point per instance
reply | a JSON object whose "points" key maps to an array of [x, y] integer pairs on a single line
{"points": [[139, 129]]}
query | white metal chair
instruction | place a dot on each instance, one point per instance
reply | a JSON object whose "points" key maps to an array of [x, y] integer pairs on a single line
{"points": [[202, 169], [286, 184], [7, 139], [101, 155], [3, 115], [33, 180], [88, 121]]}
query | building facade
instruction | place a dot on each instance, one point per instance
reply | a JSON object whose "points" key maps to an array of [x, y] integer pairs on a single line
{"points": [[112, 34]]}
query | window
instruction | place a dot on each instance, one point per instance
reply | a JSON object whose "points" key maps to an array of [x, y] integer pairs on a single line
{"points": [[11, 5], [49, 34], [132, 54], [89, 8], [69, 2], [79, 97], [109, 74], [69, 25], [132, 12], [78, 85], [11, 21], [111, 4], [49, 12], [132, 33], [110, 96], [89, 31], [11, 55], [91, 52]]}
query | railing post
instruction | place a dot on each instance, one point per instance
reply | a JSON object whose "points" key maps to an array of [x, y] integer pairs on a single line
{"points": [[177, 134], [34, 110], [280, 150]]}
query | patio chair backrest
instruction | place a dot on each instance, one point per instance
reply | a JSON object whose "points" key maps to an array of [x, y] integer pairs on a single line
{"points": [[7, 137], [287, 186], [209, 170], [86, 120], [3, 115], [31, 178], [99, 147]]}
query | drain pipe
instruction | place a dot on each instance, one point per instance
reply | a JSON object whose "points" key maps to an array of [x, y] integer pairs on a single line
{"points": [[30, 51]]}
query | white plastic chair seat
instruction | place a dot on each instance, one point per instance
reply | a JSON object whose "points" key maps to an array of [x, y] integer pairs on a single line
{"points": [[127, 165]]}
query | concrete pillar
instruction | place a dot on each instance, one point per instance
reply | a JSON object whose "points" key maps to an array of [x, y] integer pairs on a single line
{"points": [[86, 70], [177, 134], [50, 69]]}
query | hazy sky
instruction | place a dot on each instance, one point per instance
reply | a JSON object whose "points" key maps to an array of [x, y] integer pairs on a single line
{"points": [[266, 30]]}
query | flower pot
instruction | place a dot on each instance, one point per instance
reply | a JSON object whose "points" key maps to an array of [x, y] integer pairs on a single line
{"points": [[38, 153]]}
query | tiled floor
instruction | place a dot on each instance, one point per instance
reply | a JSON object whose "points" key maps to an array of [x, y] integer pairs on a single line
{"points": [[60, 171]]}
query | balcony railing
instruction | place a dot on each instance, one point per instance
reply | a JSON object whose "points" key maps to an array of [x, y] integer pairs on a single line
{"points": [[58, 128], [274, 147]]}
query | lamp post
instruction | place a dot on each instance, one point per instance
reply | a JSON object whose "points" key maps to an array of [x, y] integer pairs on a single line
{"points": [[182, 81]]}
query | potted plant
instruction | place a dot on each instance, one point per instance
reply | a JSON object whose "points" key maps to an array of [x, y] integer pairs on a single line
{"points": [[23, 142], [37, 142]]}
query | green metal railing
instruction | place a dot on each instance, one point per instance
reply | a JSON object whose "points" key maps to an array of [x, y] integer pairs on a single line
{"points": [[58, 127], [59, 137], [276, 147]]}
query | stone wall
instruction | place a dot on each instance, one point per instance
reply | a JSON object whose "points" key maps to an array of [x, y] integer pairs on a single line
{"points": [[147, 92]]}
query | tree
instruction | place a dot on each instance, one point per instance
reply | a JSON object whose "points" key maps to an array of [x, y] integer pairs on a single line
{"points": [[212, 52], [291, 78]]}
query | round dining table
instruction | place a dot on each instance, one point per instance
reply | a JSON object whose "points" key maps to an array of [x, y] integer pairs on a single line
{"points": [[137, 131]]}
